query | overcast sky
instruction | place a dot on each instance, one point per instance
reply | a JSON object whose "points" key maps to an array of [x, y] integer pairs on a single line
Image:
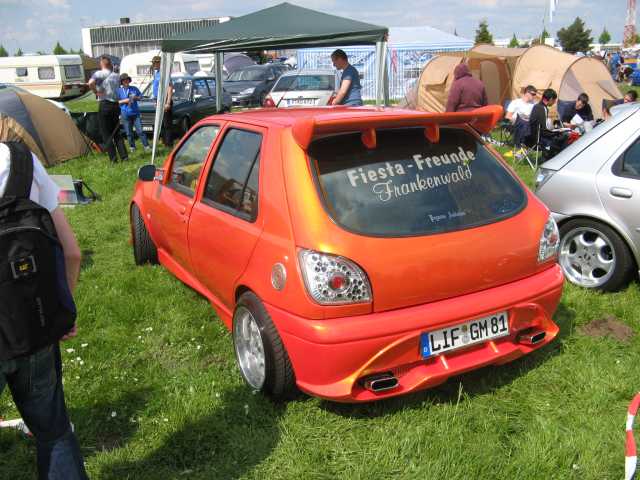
{"points": [[37, 24]]}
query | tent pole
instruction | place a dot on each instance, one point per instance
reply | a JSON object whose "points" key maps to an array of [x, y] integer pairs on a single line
{"points": [[165, 77], [219, 80], [382, 84]]}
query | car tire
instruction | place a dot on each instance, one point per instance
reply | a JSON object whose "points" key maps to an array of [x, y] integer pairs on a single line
{"points": [[600, 241], [255, 336], [144, 250]]}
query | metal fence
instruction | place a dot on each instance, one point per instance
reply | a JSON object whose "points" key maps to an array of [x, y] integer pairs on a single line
{"points": [[404, 64]]}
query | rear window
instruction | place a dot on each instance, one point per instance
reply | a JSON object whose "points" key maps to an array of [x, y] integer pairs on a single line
{"points": [[408, 186], [305, 83]]}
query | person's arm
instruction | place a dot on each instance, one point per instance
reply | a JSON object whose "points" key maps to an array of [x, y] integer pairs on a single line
{"points": [[91, 85], [72, 255], [123, 100], [344, 88], [454, 98], [167, 104]]}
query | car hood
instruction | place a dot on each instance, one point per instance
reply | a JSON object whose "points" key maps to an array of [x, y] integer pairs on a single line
{"points": [[237, 87]]}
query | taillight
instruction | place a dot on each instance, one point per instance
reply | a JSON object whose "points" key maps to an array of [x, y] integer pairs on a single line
{"points": [[549, 241], [268, 102], [331, 98], [332, 279]]}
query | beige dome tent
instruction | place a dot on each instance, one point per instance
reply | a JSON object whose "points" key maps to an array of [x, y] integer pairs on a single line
{"points": [[493, 65], [545, 67]]}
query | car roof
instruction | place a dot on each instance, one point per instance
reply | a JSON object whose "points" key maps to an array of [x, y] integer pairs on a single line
{"points": [[191, 77], [623, 112], [295, 73], [287, 117]]}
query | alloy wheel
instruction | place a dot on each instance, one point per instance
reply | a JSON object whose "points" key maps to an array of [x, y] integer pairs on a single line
{"points": [[249, 348], [587, 257]]}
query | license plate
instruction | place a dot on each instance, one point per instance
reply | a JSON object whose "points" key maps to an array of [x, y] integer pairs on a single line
{"points": [[465, 334], [301, 101], [147, 128]]}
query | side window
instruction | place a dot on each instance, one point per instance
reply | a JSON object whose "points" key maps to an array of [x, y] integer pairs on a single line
{"points": [[21, 72], [46, 73], [233, 181], [200, 89], [212, 86], [631, 161], [188, 161]]}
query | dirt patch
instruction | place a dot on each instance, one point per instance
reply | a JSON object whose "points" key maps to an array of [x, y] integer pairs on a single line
{"points": [[608, 326]]}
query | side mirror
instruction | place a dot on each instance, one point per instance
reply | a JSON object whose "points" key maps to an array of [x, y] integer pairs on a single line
{"points": [[147, 173]]}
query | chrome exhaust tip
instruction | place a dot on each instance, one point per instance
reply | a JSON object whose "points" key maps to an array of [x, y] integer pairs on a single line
{"points": [[380, 382], [531, 336]]}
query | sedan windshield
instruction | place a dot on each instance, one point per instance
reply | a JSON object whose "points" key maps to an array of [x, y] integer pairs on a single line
{"points": [[248, 75]]}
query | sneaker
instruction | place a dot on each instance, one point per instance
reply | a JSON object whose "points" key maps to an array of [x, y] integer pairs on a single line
{"points": [[132, 149], [147, 149]]}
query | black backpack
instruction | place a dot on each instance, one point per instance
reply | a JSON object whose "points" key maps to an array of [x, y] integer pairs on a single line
{"points": [[36, 306]]}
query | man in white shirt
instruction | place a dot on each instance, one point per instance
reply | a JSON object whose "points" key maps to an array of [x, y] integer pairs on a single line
{"points": [[36, 380], [521, 107]]}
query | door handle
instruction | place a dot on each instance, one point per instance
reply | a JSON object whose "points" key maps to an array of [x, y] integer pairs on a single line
{"points": [[621, 192], [183, 210]]}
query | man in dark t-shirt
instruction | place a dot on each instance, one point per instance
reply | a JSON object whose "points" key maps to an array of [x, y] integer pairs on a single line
{"points": [[350, 92], [580, 108]]}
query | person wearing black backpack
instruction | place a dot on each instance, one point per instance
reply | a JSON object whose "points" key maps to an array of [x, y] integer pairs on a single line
{"points": [[39, 268]]}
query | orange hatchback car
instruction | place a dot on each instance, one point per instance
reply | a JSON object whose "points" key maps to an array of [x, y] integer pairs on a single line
{"points": [[355, 253]]}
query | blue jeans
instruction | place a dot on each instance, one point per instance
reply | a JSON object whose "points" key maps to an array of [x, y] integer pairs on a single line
{"points": [[129, 124], [35, 382]]}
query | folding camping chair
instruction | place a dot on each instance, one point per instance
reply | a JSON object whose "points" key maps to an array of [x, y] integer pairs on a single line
{"points": [[526, 151], [505, 127]]}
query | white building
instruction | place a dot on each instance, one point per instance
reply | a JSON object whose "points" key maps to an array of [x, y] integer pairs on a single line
{"points": [[126, 38]]}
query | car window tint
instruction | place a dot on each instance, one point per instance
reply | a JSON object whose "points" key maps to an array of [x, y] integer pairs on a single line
{"points": [[631, 163], [409, 186], [212, 86], [305, 83], [200, 89], [188, 161], [233, 181]]}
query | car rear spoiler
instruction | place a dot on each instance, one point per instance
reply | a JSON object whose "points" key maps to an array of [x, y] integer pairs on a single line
{"points": [[482, 119]]}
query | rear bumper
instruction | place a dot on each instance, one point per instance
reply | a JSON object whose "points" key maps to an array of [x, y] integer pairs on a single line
{"points": [[331, 357]]}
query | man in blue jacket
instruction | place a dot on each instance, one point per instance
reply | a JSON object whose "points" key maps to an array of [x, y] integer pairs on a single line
{"points": [[128, 97]]}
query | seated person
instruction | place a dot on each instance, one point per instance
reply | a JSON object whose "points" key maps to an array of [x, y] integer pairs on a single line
{"points": [[580, 108], [521, 107], [630, 97], [551, 141]]}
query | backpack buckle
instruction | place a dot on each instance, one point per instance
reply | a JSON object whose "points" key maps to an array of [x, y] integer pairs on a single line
{"points": [[23, 267]]}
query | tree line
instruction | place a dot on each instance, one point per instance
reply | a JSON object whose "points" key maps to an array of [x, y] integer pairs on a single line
{"points": [[573, 38], [57, 50]]}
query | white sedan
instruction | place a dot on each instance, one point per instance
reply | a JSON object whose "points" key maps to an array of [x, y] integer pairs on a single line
{"points": [[307, 88]]}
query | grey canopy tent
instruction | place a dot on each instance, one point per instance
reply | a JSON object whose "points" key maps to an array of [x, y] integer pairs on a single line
{"points": [[282, 26]]}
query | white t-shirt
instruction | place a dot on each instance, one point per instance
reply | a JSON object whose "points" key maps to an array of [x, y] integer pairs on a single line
{"points": [[520, 108], [44, 191]]}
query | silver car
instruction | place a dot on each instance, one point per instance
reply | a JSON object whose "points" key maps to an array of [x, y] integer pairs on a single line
{"points": [[593, 191]]}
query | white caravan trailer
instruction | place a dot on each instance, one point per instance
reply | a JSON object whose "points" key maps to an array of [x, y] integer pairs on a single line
{"points": [[48, 76], [138, 66]]}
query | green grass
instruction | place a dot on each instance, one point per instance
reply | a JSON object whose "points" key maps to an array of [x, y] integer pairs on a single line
{"points": [[157, 356], [85, 103]]}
